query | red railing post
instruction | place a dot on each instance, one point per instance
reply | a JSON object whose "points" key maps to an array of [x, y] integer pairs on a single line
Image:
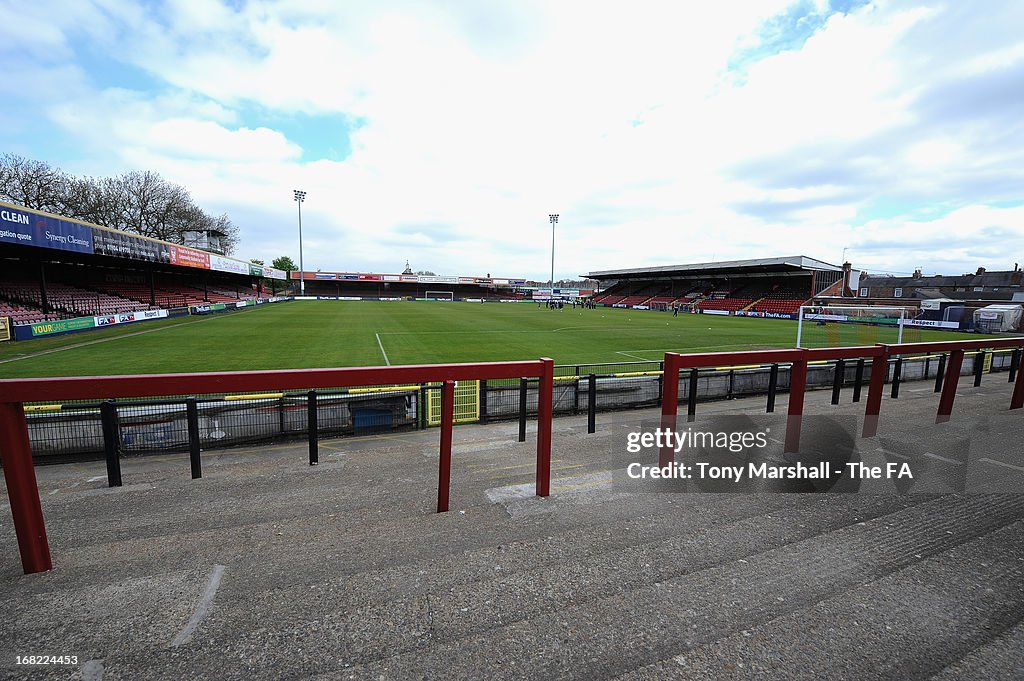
{"points": [[879, 369], [953, 366], [794, 418], [444, 466], [22, 490], [545, 407], [669, 404], [1017, 401]]}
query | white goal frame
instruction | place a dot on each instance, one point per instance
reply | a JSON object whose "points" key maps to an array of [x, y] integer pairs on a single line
{"points": [[440, 295], [832, 315]]}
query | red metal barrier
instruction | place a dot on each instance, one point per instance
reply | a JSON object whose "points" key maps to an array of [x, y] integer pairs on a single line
{"points": [[956, 351], [22, 489], [444, 461], [545, 410], [16, 452], [798, 359]]}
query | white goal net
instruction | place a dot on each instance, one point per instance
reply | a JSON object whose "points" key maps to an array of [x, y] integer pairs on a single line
{"points": [[835, 326], [440, 295]]}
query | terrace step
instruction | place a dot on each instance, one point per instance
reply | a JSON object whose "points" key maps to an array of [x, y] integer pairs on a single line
{"points": [[887, 629], [617, 634]]}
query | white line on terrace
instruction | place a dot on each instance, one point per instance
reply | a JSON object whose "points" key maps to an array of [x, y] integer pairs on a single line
{"points": [[202, 609], [1001, 463]]}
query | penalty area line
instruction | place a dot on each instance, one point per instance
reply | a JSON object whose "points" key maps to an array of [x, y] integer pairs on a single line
{"points": [[628, 353], [381, 346], [644, 359]]}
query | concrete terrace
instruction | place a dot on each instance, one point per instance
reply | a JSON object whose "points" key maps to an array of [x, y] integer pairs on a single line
{"points": [[269, 568]]}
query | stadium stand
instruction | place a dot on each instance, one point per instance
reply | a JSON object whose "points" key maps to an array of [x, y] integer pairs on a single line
{"points": [[763, 286], [20, 314], [67, 300], [728, 304]]}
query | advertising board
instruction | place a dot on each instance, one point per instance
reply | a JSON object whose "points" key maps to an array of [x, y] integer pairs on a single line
{"points": [[189, 257], [32, 229], [121, 245], [62, 326], [219, 263]]}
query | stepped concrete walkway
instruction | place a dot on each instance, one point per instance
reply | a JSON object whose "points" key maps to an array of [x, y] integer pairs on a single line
{"points": [[268, 568]]}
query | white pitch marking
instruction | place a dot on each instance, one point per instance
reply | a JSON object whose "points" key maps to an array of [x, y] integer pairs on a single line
{"points": [[381, 345], [185, 635]]}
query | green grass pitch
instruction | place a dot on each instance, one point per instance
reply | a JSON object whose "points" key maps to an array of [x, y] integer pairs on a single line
{"points": [[306, 334]]}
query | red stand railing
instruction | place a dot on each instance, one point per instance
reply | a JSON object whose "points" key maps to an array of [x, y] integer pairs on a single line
{"points": [[956, 350], [444, 470], [16, 452], [798, 358]]}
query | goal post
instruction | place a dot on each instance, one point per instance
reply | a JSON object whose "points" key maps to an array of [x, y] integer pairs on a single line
{"points": [[440, 295], [829, 326]]}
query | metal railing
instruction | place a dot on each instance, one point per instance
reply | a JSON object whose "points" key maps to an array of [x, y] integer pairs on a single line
{"points": [[880, 356], [16, 450], [70, 430]]}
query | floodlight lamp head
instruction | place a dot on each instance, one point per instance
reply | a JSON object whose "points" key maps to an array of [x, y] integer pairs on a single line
{"points": [[553, 217], [300, 195]]}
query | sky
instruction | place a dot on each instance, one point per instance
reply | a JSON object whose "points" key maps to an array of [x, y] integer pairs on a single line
{"points": [[445, 133]]}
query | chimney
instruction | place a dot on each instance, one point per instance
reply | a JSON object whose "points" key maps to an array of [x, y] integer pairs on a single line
{"points": [[917, 273], [981, 271], [847, 292]]}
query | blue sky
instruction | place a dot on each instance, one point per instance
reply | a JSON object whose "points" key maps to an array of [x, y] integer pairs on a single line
{"points": [[444, 133]]}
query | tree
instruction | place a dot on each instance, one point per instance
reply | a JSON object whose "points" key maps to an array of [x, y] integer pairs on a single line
{"points": [[138, 201], [283, 263], [33, 184]]}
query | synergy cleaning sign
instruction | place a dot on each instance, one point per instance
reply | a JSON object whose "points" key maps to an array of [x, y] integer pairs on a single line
{"points": [[30, 229]]}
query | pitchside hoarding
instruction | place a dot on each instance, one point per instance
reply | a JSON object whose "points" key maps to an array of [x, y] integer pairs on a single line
{"points": [[62, 326], [129, 317], [5, 329]]}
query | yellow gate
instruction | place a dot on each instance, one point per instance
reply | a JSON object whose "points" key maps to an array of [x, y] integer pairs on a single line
{"points": [[467, 403]]}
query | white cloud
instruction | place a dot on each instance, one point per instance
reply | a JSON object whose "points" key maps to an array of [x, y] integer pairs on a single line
{"points": [[481, 118]]}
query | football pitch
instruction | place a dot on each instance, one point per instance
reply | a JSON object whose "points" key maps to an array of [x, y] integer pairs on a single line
{"points": [[307, 334]]}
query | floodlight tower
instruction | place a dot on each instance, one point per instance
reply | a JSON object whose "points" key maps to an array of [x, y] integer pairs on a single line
{"points": [[300, 196], [553, 217]]}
